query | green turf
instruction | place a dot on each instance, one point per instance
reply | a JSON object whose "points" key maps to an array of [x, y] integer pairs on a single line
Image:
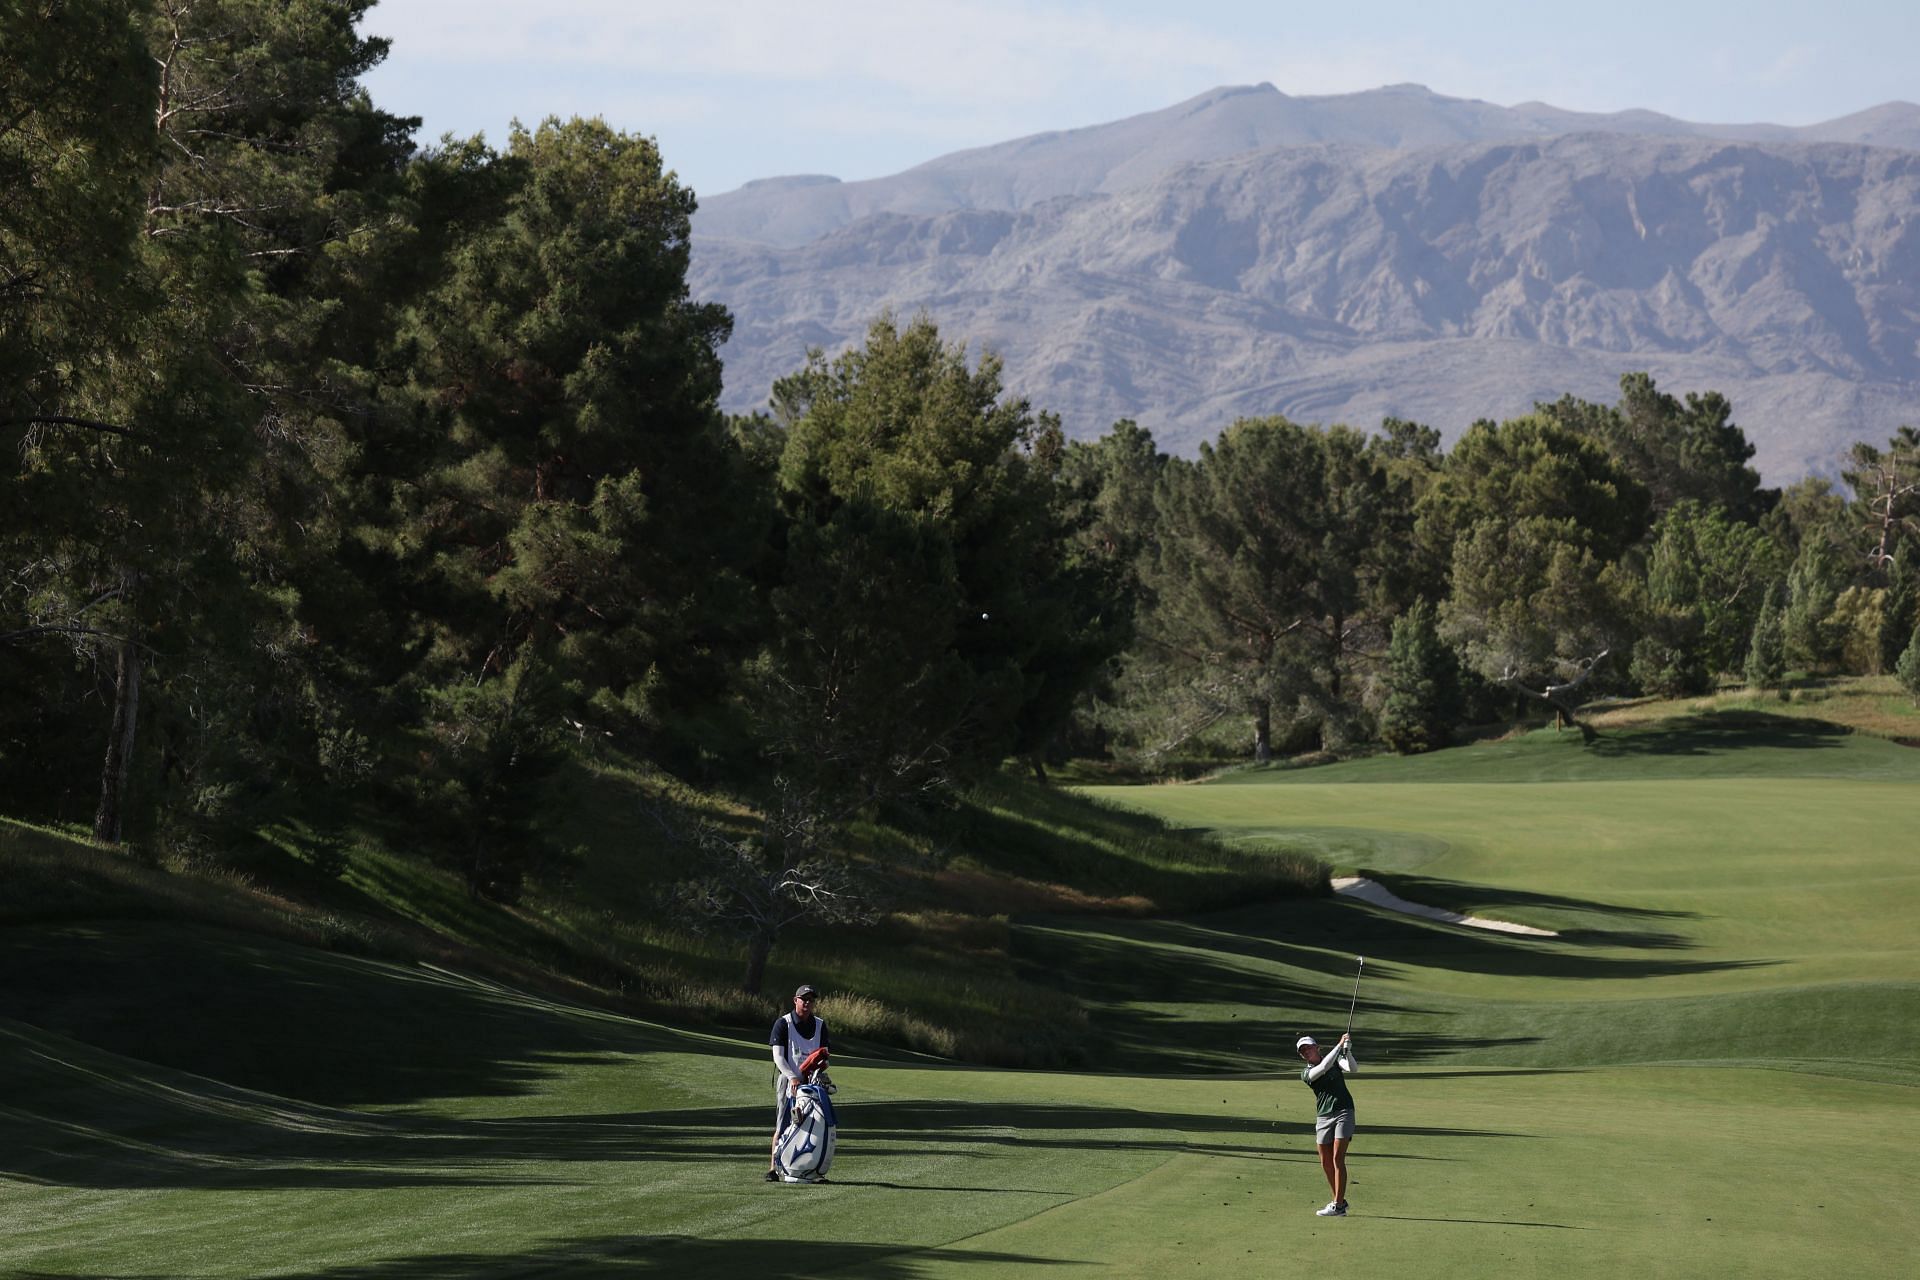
{"points": [[1716, 1072]]}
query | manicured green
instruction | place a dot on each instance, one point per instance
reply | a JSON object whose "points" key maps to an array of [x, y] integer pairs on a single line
{"points": [[1715, 1072]]}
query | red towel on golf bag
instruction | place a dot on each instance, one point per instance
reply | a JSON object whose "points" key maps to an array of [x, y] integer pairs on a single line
{"points": [[812, 1063]]}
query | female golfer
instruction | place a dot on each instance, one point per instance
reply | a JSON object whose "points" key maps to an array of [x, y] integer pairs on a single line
{"points": [[1326, 1075]]}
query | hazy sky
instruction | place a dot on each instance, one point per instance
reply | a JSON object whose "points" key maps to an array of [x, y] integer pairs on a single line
{"points": [[748, 89]]}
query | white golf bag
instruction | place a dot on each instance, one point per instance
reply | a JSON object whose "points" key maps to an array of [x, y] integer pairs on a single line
{"points": [[806, 1145]]}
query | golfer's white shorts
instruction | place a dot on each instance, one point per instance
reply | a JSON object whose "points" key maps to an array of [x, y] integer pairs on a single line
{"points": [[1337, 1125]]}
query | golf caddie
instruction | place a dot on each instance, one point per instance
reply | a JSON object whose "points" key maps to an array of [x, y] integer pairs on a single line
{"points": [[794, 1036], [1326, 1074]]}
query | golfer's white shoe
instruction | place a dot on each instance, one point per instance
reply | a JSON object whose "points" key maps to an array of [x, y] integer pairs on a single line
{"points": [[1336, 1209]]}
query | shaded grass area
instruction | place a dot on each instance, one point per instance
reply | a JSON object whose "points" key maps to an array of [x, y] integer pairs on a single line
{"points": [[642, 1135], [1230, 994], [260, 1014], [640, 1254], [1017, 840], [934, 974]]}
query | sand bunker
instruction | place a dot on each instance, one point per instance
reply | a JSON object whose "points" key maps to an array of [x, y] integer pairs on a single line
{"points": [[1380, 896]]}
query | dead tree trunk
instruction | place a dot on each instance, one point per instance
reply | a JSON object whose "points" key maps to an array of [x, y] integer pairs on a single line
{"points": [[1561, 696]]}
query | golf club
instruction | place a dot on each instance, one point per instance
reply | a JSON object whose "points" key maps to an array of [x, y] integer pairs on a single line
{"points": [[1356, 992]]}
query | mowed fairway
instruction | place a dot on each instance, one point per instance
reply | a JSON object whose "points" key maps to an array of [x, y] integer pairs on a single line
{"points": [[1712, 1074]]}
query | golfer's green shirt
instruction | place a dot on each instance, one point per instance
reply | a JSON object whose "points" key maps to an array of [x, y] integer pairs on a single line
{"points": [[1330, 1096]]}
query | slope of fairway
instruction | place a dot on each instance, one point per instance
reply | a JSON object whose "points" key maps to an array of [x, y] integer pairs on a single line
{"points": [[1760, 902]]}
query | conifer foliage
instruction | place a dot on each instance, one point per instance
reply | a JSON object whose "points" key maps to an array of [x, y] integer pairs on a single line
{"points": [[1424, 699]]}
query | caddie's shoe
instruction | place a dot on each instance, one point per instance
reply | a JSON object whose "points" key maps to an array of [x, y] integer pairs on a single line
{"points": [[1333, 1210], [773, 1175]]}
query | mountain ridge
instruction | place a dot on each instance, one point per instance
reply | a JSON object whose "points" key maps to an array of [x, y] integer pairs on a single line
{"points": [[1347, 281], [1224, 121]]}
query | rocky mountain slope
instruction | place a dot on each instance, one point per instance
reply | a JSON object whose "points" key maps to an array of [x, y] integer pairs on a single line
{"points": [[1400, 272]]}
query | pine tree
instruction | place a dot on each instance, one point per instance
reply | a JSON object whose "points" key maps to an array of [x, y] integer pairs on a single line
{"points": [[77, 91], [1814, 584], [569, 531], [1766, 666], [197, 360], [1424, 699], [1281, 560], [932, 609]]}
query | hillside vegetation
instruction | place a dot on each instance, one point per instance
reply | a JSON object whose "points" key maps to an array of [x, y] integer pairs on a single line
{"points": [[932, 970]]}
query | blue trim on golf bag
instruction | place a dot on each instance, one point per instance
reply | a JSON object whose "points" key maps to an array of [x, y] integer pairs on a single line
{"points": [[806, 1144]]}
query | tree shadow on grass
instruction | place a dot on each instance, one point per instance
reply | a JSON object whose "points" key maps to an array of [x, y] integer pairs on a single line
{"points": [[1499, 902], [73, 1114], [301, 1023], [1485, 1073], [1226, 991], [1477, 1222], [1720, 733], [617, 1257], [1246, 955], [1146, 1040], [1357, 929], [1455, 894]]}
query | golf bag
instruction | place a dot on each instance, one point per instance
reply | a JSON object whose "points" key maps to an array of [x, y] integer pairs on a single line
{"points": [[806, 1145]]}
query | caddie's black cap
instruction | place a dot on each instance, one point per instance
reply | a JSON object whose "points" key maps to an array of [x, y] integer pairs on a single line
{"points": [[805, 989]]}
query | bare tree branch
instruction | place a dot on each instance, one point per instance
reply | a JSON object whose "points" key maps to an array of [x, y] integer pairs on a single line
{"points": [[61, 420], [1557, 696], [71, 629]]}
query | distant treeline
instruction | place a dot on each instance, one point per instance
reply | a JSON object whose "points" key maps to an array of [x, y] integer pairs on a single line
{"points": [[346, 470]]}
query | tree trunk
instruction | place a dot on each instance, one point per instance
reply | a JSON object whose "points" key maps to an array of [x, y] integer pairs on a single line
{"points": [[109, 818], [1039, 767], [1262, 730], [759, 947], [1336, 649]]}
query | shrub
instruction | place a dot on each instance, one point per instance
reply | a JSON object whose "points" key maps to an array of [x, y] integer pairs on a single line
{"points": [[1670, 661], [1908, 668], [1856, 619]]}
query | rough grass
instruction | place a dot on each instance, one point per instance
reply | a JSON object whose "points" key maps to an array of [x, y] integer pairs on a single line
{"points": [[1875, 705]]}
